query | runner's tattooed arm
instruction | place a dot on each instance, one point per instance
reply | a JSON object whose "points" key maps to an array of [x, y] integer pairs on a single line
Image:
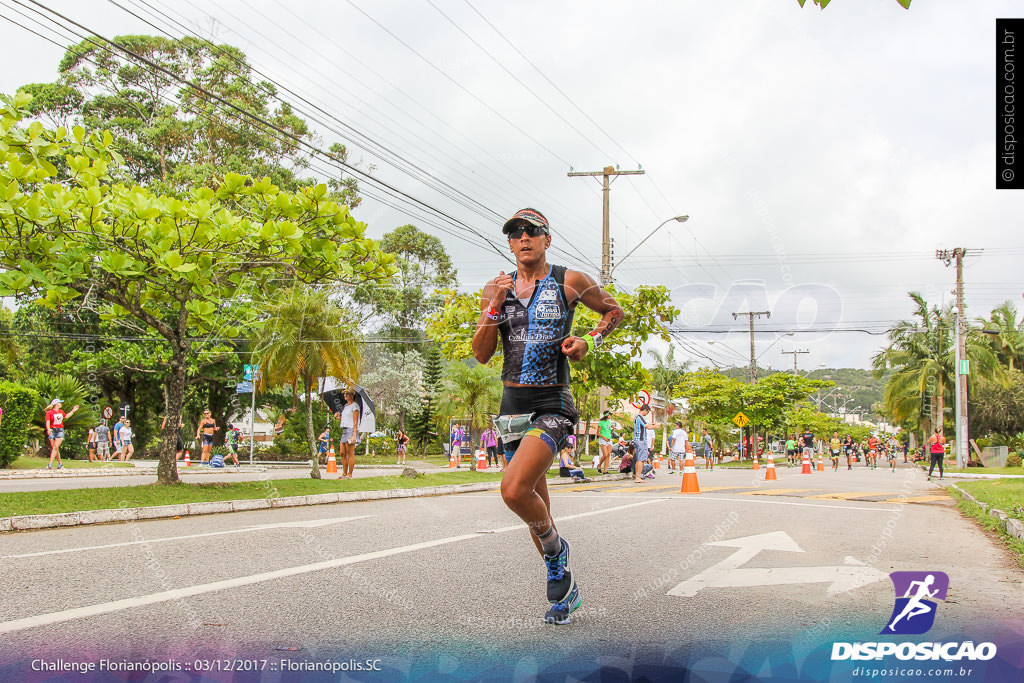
{"points": [[582, 288]]}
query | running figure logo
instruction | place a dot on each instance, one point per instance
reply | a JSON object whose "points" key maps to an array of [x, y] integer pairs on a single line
{"points": [[916, 595]]}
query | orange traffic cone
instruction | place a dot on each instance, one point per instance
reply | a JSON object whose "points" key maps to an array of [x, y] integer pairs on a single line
{"points": [[807, 464], [756, 466], [332, 462], [188, 460], [452, 460], [657, 462], [769, 474], [690, 476], [821, 463], [481, 460]]}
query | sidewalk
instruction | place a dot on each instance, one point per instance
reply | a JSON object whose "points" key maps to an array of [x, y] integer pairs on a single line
{"points": [[68, 519], [148, 468]]}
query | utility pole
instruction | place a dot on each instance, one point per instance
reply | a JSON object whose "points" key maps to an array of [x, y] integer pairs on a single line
{"points": [[962, 364], [607, 174], [753, 367], [753, 358], [795, 353]]}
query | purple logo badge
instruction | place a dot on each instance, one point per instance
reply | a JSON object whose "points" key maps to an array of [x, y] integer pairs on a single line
{"points": [[916, 601]]}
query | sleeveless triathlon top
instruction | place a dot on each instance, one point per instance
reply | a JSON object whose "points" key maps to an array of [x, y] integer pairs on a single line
{"points": [[532, 335]]}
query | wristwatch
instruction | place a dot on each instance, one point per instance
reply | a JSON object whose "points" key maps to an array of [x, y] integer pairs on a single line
{"points": [[598, 339]]}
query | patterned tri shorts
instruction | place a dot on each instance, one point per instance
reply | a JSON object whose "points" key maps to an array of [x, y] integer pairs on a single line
{"points": [[553, 410]]}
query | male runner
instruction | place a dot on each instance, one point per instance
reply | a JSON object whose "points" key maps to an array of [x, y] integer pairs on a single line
{"points": [[848, 448], [205, 429], [791, 450], [835, 445], [532, 310], [873, 451]]}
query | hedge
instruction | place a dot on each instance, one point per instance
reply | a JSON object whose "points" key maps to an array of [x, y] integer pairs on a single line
{"points": [[19, 403]]}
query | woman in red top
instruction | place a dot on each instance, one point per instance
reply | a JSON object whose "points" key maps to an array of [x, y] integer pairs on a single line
{"points": [[55, 417], [937, 450]]}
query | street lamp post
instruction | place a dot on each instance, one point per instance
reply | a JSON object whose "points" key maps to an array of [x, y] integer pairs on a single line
{"points": [[680, 219]]}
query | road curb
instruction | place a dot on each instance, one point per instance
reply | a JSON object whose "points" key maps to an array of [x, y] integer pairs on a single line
{"points": [[1013, 527], [86, 517]]}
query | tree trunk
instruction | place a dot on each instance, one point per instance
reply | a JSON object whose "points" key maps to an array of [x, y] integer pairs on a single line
{"points": [[472, 443], [167, 470], [310, 436]]}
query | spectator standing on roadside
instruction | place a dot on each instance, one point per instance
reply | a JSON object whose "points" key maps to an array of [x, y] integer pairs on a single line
{"points": [[640, 427], [677, 448], [457, 436], [349, 419], [54, 421], [937, 451], [232, 443], [709, 449], [127, 449], [117, 438], [604, 442], [91, 444], [102, 432], [401, 440], [489, 442]]}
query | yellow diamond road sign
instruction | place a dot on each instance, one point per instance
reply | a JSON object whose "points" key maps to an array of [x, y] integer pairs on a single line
{"points": [[741, 420]]}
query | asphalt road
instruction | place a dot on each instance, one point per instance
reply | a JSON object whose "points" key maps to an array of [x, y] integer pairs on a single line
{"points": [[451, 586]]}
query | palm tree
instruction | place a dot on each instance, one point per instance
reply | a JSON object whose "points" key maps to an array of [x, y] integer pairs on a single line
{"points": [[921, 356], [476, 390], [309, 337], [1008, 344], [665, 374]]}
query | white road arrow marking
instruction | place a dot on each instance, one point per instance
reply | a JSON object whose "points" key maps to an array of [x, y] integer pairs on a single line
{"points": [[730, 573], [309, 524]]}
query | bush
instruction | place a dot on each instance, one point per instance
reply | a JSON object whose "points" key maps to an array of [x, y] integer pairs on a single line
{"points": [[19, 403], [1014, 459]]}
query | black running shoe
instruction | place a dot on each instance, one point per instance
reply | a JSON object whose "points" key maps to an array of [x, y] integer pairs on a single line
{"points": [[560, 581], [560, 611]]}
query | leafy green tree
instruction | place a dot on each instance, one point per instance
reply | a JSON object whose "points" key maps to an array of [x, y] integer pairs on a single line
{"points": [[308, 337], [176, 267], [920, 360], [422, 269], [473, 389], [998, 408], [395, 378], [172, 136], [20, 406], [10, 349], [717, 398]]}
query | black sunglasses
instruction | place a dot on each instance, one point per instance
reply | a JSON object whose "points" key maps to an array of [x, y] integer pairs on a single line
{"points": [[532, 230]]}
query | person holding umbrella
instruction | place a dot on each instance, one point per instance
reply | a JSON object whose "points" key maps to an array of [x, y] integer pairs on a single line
{"points": [[532, 311], [349, 418]]}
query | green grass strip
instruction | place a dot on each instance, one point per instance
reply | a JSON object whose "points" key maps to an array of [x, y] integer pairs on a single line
{"points": [[75, 500], [31, 463], [1004, 494], [971, 509]]}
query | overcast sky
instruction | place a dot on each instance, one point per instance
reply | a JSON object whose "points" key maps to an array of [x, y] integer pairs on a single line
{"points": [[822, 156]]}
